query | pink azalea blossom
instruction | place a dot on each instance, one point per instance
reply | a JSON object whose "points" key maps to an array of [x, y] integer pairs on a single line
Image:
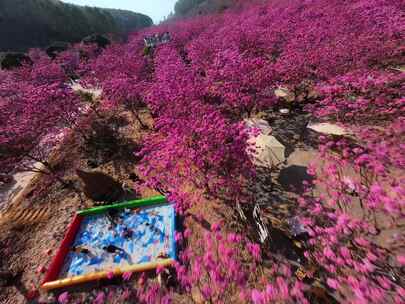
{"points": [[332, 283], [257, 297], [110, 275], [401, 260], [217, 70], [160, 269], [100, 298], [63, 298], [126, 276]]}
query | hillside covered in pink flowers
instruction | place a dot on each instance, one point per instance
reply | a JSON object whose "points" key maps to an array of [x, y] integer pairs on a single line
{"points": [[339, 62]]}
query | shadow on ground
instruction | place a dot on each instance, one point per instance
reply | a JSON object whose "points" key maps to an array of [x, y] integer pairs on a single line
{"points": [[291, 178]]}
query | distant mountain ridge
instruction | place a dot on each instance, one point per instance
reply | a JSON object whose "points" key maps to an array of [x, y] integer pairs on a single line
{"points": [[37, 23], [185, 8]]}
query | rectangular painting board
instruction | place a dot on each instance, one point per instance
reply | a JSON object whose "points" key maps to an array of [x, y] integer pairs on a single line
{"points": [[140, 232]]}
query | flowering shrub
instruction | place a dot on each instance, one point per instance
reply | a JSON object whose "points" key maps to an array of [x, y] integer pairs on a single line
{"points": [[356, 224], [217, 270], [219, 69], [36, 105], [364, 97], [209, 154]]}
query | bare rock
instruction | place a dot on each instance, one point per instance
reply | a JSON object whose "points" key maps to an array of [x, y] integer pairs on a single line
{"points": [[265, 150], [400, 68], [328, 128], [100, 40], [268, 151], [56, 48], [94, 92], [10, 60], [260, 124]]}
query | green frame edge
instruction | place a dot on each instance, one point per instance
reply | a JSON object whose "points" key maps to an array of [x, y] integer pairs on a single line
{"points": [[130, 204]]}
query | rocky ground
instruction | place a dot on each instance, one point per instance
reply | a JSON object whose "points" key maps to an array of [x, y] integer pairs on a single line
{"points": [[27, 250]]}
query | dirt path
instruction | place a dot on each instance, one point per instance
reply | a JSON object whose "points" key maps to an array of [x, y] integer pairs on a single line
{"points": [[29, 249]]}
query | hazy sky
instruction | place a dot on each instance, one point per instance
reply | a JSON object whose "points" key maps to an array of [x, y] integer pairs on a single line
{"points": [[156, 9]]}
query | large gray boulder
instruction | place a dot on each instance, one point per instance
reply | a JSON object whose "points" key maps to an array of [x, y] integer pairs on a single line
{"points": [[259, 124], [100, 40], [269, 152], [264, 149], [10, 60], [56, 47]]}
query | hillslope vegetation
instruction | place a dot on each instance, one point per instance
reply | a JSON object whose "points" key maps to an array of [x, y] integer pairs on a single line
{"points": [[324, 226], [37, 23], [185, 8]]}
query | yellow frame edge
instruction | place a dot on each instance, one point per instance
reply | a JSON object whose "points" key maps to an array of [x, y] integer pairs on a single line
{"points": [[104, 274]]}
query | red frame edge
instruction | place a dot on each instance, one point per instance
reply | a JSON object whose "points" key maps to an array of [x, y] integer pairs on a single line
{"points": [[57, 262]]}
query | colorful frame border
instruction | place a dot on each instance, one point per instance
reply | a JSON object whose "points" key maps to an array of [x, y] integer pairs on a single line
{"points": [[51, 280]]}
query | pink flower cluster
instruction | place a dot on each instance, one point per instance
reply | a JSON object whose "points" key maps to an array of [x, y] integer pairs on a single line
{"points": [[218, 70], [36, 104]]}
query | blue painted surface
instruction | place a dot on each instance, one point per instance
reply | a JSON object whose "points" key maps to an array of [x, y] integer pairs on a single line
{"points": [[151, 234]]}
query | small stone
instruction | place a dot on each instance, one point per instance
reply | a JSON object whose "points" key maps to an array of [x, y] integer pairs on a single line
{"points": [[327, 128], [269, 151], [261, 124], [281, 92], [285, 94], [399, 68], [94, 92]]}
